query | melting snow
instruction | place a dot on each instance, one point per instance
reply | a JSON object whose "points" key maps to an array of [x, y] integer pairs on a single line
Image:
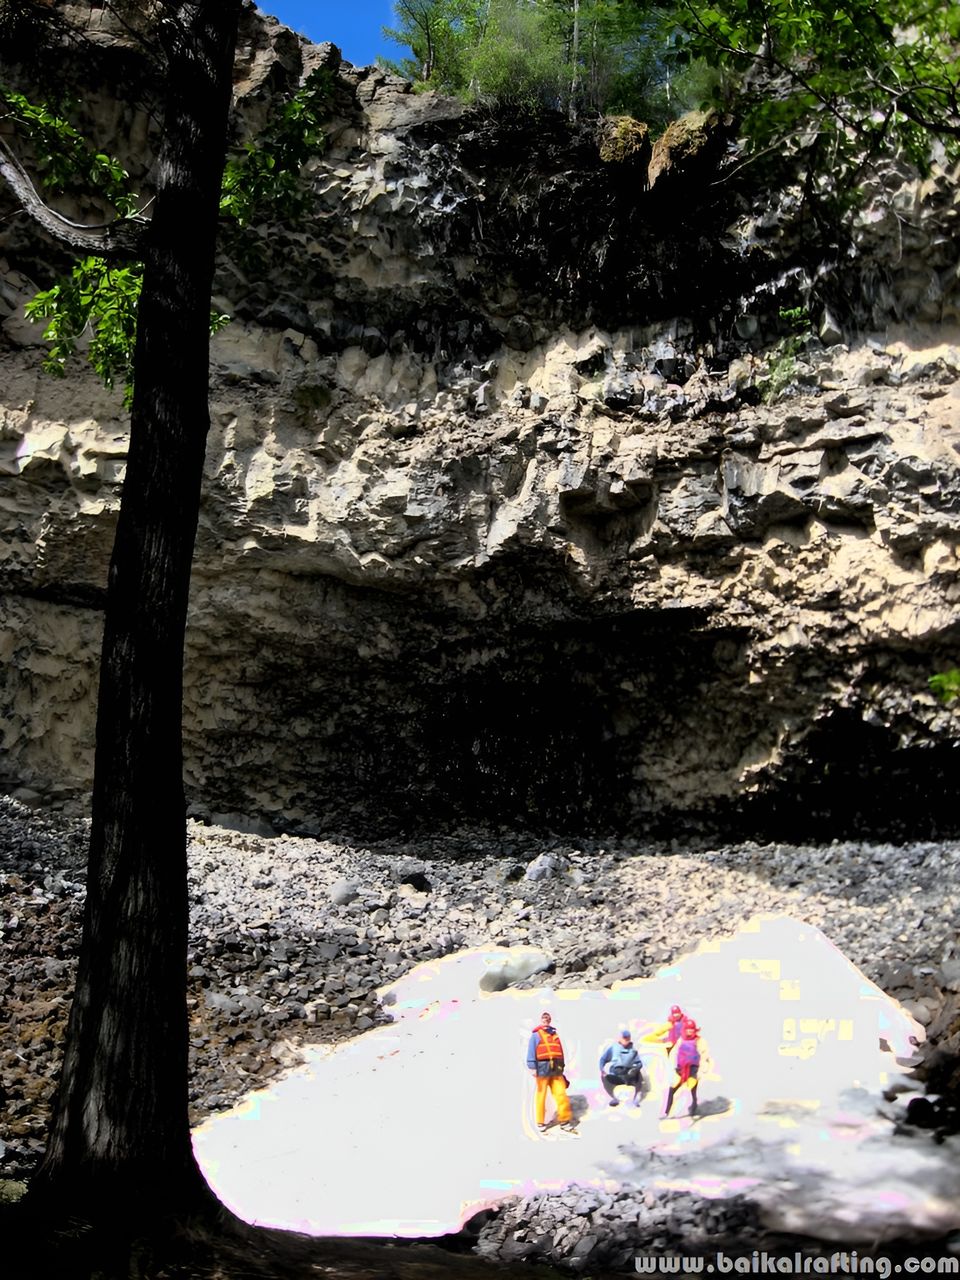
{"points": [[412, 1128]]}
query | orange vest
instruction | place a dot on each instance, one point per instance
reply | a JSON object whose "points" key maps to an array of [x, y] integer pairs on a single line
{"points": [[549, 1048]]}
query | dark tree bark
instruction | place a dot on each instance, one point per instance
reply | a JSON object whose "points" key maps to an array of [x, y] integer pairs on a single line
{"points": [[120, 1138]]}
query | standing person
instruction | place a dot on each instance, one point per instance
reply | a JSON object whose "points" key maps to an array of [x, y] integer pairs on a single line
{"points": [[668, 1032], [546, 1063], [620, 1064], [688, 1066]]}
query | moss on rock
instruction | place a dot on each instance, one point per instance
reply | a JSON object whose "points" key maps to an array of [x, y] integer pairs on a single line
{"points": [[622, 139], [695, 139]]}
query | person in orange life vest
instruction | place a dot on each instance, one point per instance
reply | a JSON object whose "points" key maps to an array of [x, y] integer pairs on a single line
{"points": [[668, 1032], [545, 1062], [688, 1066]]}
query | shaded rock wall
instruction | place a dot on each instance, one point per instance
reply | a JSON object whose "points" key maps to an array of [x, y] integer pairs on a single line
{"points": [[498, 526]]}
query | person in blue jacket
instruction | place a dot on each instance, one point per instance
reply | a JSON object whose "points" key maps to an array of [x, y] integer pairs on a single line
{"points": [[620, 1064]]}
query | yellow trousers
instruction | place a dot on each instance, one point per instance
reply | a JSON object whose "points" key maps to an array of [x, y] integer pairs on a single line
{"points": [[560, 1100]]}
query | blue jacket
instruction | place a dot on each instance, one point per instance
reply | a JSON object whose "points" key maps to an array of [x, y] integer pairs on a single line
{"points": [[621, 1057]]}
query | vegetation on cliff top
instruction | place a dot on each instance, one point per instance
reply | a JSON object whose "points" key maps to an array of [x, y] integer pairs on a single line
{"points": [[846, 83], [578, 56]]}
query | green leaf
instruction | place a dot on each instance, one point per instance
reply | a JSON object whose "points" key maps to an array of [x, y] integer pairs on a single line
{"points": [[63, 156], [946, 684], [264, 177], [97, 304]]}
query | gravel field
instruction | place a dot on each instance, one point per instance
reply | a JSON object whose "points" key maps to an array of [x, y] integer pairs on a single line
{"points": [[291, 936]]}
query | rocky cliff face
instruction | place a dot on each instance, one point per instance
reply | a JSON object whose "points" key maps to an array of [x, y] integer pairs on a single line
{"points": [[508, 516]]}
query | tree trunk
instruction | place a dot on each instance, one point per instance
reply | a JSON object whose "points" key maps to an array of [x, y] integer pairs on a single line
{"points": [[575, 59], [120, 1138]]}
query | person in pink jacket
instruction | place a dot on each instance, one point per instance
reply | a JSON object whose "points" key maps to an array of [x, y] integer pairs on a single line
{"points": [[687, 1065], [668, 1032]]}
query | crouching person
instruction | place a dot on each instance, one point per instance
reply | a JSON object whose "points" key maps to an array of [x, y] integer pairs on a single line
{"points": [[620, 1064]]}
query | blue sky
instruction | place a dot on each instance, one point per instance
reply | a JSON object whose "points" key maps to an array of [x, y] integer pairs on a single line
{"points": [[352, 25]]}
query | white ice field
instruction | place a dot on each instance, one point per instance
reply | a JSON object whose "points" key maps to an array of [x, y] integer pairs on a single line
{"points": [[410, 1129]]}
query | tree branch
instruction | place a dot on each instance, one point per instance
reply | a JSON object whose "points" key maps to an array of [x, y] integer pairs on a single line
{"points": [[902, 101], [141, 36], [769, 59], [121, 238], [932, 126]]}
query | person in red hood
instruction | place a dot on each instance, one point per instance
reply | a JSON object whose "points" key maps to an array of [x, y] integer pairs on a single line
{"points": [[546, 1063], [687, 1064], [668, 1032]]}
